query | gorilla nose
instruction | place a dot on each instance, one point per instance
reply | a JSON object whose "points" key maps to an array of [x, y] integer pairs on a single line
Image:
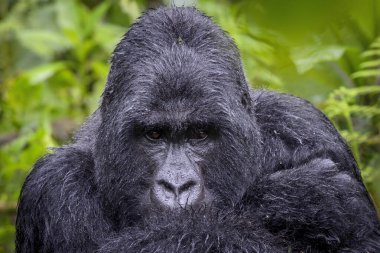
{"points": [[181, 194]]}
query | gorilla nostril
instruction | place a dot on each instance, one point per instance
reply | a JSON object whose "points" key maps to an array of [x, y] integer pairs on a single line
{"points": [[186, 186], [167, 186]]}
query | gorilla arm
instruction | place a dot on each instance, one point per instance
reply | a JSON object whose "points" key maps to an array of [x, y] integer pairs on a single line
{"points": [[58, 209], [311, 188], [196, 231]]}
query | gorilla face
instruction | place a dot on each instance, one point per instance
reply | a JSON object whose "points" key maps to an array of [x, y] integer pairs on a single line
{"points": [[173, 137], [177, 127]]}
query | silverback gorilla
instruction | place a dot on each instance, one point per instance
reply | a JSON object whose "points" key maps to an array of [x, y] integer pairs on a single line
{"points": [[182, 156]]}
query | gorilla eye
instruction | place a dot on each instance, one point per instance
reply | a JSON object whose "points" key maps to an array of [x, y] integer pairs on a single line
{"points": [[198, 134], [153, 135]]}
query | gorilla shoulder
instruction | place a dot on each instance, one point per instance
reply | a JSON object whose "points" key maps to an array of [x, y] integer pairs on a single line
{"points": [[295, 132]]}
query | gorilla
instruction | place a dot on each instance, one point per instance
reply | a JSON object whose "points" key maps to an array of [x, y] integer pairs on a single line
{"points": [[182, 156]]}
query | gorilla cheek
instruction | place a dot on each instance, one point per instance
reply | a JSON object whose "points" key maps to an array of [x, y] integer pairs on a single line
{"points": [[226, 180]]}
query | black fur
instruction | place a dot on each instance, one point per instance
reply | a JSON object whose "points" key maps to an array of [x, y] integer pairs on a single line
{"points": [[281, 177]]}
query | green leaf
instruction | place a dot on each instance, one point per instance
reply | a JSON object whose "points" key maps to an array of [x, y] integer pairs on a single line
{"points": [[68, 15], [131, 8], [108, 35], [307, 58], [376, 44], [368, 111], [370, 64], [365, 90], [366, 73], [371, 52], [43, 72], [99, 12], [43, 43]]}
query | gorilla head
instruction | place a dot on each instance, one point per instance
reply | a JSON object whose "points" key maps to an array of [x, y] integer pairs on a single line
{"points": [[177, 128]]}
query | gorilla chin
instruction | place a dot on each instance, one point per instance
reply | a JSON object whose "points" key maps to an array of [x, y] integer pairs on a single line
{"points": [[182, 156]]}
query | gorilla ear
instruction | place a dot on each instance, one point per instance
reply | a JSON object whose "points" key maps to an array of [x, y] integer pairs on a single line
{"points": [[246, 101], [106, 97], [245, 97]]}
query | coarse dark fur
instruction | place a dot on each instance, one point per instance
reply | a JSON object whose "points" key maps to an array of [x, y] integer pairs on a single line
{"points": [[281, 177]]}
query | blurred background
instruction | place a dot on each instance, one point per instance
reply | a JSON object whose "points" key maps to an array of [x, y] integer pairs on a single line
{"points": [[54, 60]]}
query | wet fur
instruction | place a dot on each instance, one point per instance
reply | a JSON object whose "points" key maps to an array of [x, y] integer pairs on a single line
{"points": [[282, 178]]}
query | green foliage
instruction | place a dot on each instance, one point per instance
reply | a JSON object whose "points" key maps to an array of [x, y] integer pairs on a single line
{"points": [[356, 113], [54, 58], [68, 71], [53, 69]]}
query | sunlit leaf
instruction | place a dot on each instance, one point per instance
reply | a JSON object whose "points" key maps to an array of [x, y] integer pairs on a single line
{"points": [[307, 58], [43, 72], [370, 53], [43, 43], [366, 73], [131, 8], [67, 15], [108, 35], [370, 64], [98, 13]]}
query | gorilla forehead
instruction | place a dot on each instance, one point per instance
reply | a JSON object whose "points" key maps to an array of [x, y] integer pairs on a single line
{"points": [[184, 78], [169, 43], [179, 79]]}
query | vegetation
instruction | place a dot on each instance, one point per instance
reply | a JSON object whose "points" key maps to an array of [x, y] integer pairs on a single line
{"points": [[54, 61]]}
